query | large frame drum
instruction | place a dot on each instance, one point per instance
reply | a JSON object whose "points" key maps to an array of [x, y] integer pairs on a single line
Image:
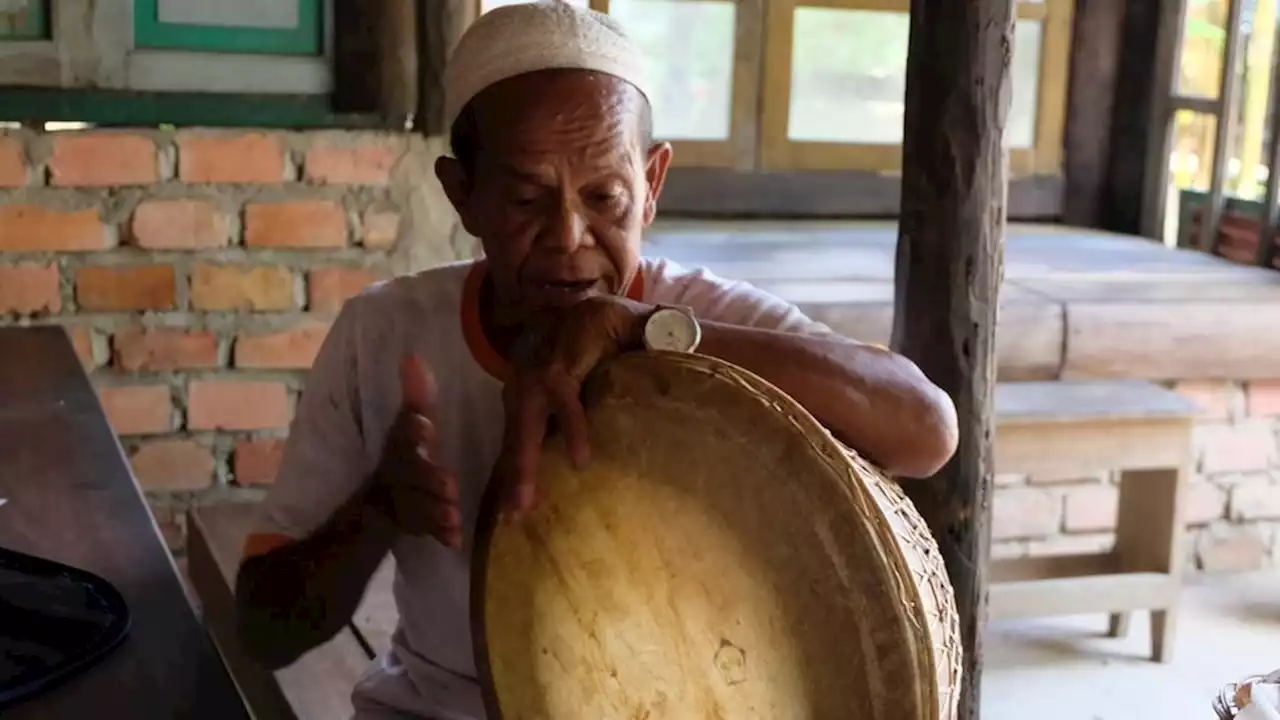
{"points": [[723, 556]]}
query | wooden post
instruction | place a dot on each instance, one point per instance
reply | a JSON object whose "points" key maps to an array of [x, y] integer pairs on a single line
{"points": [[949, 260]]}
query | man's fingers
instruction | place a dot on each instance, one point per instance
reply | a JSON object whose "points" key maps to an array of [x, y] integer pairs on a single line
{"points": [[527, 418], [417, 386], [571, 416]]}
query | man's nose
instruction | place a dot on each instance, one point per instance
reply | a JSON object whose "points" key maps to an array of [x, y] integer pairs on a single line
{"points": [[566, 231]]}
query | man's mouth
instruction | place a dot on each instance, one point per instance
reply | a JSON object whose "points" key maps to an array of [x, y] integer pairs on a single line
{"points": [[567, 291]]}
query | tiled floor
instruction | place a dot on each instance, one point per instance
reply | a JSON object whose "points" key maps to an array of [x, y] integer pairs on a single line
{"points": [[1067, 669]]}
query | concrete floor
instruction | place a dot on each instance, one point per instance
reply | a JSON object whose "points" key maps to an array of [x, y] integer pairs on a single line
{"points": [[1067, 669]]}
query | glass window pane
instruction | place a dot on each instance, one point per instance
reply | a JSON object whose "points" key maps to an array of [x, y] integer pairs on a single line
{"points": [[851, 64], [1190, 170], [1020, 128], [690, 49], [1204, 38], [848, 76], [1247, 164]]}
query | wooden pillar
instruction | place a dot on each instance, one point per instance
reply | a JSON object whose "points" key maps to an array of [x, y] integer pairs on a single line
{"points": [[1095, 67], [949, 261], [376, 59]]}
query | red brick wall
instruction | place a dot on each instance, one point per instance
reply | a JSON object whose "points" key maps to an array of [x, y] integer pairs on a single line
{"points": [[197, 272]]}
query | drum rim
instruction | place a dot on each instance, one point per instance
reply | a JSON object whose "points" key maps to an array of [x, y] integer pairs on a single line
{"points": [[891, 560]]}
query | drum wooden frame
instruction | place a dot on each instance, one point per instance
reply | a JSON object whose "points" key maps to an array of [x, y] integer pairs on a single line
{"points": [[583, 611]]}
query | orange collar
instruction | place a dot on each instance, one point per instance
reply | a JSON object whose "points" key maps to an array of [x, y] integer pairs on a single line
{"points": [[473, 330]]}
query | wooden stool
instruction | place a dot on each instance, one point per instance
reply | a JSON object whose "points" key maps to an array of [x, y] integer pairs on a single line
{"points": [[1066, 429]]}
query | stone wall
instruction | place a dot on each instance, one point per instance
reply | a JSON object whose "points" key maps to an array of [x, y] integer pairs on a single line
{"points": [[197, 272], [1232, 509]]}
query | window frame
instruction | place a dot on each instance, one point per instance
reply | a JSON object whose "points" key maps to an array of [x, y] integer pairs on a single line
{"points": [[778, 152], [92, 47]]}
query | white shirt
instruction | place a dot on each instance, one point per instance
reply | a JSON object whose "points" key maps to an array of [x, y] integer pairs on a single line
{"points": [[353, 395]]}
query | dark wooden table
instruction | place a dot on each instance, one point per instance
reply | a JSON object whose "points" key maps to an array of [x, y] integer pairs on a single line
{"points": [[72, 499]]}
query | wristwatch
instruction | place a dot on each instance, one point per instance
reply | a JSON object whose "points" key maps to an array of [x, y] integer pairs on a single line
{"points": [[672, 328]]}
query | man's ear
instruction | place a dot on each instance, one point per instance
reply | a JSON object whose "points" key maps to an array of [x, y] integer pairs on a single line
{"points": [[457, 187], [656, 165]]}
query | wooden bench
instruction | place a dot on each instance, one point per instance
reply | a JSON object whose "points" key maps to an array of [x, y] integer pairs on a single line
{"points": [[316, 687], [1076, 429]]}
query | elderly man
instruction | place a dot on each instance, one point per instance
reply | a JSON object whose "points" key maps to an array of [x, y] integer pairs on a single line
{"points": [[428, 386]]}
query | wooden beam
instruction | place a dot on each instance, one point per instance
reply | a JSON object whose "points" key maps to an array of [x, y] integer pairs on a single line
{"points": [[439, 25], [949, 264], [376, 59], [1139, 118], [1095, 69]]}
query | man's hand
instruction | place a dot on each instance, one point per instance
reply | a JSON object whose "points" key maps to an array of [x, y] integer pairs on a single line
{"points": [[547, 384], [410, 487]]}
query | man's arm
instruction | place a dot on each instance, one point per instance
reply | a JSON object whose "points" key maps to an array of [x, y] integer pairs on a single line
{"points": [[297, 596], [873, 400], [317, 544]]}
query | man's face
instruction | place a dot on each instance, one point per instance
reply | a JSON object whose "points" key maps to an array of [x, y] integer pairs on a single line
{"points": [[562, 186]]}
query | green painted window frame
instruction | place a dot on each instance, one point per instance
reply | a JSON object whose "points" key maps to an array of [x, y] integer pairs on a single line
{"points": [[125, 109], [306, 39], [36, 27]]}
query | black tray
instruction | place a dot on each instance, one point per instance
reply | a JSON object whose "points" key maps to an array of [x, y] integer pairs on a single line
{"points": [[55, 622]]}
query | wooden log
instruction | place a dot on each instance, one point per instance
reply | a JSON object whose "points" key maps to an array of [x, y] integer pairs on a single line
{"points": [[949, 263], [376, 59], [1095, 67], [439, 24]]}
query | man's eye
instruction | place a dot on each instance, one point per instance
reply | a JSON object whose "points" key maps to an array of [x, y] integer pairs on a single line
{"points": [[524, 201], [606, 197]]}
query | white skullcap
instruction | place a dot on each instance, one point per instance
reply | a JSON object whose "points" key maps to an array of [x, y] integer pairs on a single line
{"points": [[550, 34]]}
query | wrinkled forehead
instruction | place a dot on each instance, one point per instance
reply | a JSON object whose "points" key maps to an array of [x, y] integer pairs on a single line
{"points": [[559, 111]]}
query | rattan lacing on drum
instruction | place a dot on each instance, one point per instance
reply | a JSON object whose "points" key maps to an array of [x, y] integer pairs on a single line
{"points": [[895, 524]]}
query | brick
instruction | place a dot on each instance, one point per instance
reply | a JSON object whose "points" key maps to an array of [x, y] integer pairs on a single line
{"points": [[1009, 479], [302, 224], [230, 158], [1204, 503], [1214, 398], [293, 349], [137, 350], [138, 409], [1025, 513], [102, 159], [120, 288], [173, 465], [241, 287], [86, 341], [27, 289], [1090, 508], [1076, 544], [31, 228], [13, 163], [257, 461], [172, 523], [368, 163], [1263, 398], [179, 225], [1255, 501], [328, 288], [237, 405], [381, 226], [1232, 549], [1236, 448]]}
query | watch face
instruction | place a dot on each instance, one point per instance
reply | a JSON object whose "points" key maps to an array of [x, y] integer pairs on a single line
{"points": [[670, 329]]}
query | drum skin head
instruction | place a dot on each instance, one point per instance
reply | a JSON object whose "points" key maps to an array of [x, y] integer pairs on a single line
{"points": [[719, 559]]}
